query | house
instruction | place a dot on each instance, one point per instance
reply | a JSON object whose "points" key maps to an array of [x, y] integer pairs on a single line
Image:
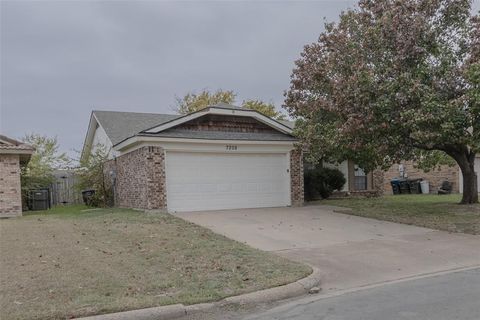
{"points": [[221, 157], [377, 182], [13, 154]]}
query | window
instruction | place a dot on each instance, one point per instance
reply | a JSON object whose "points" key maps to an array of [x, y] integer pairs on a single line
{"points": [[360, 179]]}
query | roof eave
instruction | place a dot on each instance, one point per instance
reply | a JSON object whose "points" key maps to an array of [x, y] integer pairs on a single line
{"points": [[137, 139], [221, 111], [89, 135]]}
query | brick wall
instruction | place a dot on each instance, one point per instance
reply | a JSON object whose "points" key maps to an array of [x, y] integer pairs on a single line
{"points": [[434, 177], [10, 188], [296, 176], [140, 179]]}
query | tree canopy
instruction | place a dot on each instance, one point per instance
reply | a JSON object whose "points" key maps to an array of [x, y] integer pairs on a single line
{"points": [[393, 80], [192, 102], [39, 171]]}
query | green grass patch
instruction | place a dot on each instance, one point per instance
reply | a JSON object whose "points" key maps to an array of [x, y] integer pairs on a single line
{"points": [[74, 261], [442, 212]]}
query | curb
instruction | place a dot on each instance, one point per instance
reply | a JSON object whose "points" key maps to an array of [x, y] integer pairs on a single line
{"points": [[294, 289]]}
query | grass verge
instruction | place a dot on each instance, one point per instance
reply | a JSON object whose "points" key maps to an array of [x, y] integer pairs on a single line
{"points": [[442, 212], [73, 261]]}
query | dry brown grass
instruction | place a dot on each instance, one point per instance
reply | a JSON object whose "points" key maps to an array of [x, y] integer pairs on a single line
{"points": [[76, 263]]}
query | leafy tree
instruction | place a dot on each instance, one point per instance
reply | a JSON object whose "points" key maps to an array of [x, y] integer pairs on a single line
{"points": [[38, 173], [392, 79], [264, 108], [192, 102], [92, 175]]}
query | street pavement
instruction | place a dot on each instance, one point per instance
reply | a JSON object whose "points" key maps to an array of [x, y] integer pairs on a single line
{"points": [[442, 297]]}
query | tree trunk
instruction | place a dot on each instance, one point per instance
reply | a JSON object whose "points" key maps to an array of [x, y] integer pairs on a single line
{"points": [[470, 188]]}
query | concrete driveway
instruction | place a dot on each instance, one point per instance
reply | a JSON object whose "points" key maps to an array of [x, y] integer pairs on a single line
{"points": [[352, 251]]}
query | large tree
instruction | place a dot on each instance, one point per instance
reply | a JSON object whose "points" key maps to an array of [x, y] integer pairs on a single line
{"points": [[39, 171], [192, 102], [393, 80]]}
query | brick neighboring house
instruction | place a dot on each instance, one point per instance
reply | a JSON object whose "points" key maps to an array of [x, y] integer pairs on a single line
{"points": [[13, 154], [221, 157], [377, 182]]}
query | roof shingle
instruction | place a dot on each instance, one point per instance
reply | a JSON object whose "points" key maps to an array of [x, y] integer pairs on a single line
{"points": [[122, 125]]}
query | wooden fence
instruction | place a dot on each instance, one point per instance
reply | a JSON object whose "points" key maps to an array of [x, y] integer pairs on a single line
{"points": [[63, 191]]}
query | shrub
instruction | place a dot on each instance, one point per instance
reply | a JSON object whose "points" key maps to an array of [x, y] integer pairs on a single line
{"points": [[321, 182], [91, 174]]}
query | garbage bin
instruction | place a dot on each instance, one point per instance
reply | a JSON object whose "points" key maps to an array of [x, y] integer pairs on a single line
{"points": [[404, 187], [395, 185], [39, 199], [87, 196], [425, 186], [414, 185]]}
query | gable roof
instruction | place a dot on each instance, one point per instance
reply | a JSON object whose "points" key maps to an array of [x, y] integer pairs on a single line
{"points": [[121, 125], [12, 146], [222, 109]]}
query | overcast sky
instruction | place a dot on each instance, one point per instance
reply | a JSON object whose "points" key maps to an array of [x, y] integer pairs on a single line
{"points": [[60, 60]]}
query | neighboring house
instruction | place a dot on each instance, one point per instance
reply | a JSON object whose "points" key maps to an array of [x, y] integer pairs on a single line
{"points": [[378, 182], [221, 157], [357, 180], [13, 154]]}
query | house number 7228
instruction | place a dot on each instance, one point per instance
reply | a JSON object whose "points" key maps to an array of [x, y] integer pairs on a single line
{"points": [[230, 147]]}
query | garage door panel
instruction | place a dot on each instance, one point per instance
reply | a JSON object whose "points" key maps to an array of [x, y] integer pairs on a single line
{"points": [[198, 181]]}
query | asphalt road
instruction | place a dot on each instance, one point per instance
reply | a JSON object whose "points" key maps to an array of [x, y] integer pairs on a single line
{"points": [[443, 297]]}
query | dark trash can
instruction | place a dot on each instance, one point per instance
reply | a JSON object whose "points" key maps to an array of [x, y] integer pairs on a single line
{"points": [[414, 185], [39, 199], [87, 196], [404, 187], [395, 183]]}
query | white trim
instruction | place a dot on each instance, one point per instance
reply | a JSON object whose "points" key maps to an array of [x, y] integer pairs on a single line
{"points": [[93, 126], [289, 182], [217, 146], [177, 121], [222, 111], [132, 142], [15, 151], [87, 143]]}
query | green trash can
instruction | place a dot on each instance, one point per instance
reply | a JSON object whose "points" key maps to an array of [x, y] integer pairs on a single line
{"points": [[414, 185]]}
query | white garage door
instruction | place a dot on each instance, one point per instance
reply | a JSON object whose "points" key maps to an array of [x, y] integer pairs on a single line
{"points": [[213, 181]]}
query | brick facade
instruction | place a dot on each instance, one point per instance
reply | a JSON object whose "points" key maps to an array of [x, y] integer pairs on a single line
{"points": [[140, 179], [434, 177], [10, 188], [296, 176]]}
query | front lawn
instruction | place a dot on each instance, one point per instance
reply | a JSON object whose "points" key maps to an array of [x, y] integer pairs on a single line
{"points": [[432, 211], [71, 261]]}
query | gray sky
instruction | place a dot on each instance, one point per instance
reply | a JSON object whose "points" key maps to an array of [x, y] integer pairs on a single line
{"points": [[60, 60]]}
